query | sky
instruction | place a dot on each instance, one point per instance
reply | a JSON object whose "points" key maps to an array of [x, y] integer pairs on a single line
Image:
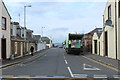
{"points": [[58, 17]]}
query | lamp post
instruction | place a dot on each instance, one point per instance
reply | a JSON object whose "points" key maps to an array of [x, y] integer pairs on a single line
{"points": [[25, 20]]}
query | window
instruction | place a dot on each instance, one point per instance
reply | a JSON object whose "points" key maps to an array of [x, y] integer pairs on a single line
{"points": [[3, 23], [119, 8], [109, 12]]}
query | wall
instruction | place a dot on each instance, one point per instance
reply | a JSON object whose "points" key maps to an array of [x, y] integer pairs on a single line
{"points": [[101, 39], [6, 33], [95, 37], [0, 25], [20, 48], [118, 36], [41, 46], [110, 30]]}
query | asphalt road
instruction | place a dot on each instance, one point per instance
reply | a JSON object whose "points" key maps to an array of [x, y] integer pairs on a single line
{"points": [[56, 63]]}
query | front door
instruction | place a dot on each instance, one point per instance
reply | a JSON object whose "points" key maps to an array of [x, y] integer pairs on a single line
{"points": [[3, 45], [106, 43], [95, 44]]}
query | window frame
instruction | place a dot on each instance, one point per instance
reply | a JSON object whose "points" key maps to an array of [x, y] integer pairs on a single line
{"points": [[5, 27], [109, 12]]}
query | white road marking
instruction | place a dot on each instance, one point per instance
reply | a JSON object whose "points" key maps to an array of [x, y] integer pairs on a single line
{"points": [[116, 76], [100, 76], [80, 75], [64, 57], [90, 67], [70, 72], [66, 62]]}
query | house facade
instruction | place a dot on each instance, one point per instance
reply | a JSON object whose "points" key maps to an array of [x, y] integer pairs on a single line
{"points": [[20, 45], [47, 41], [87, 39], [17, 42], [96, 44], [110, 37], [39, 44], [0, 26], [5, 19], [111, 32]]}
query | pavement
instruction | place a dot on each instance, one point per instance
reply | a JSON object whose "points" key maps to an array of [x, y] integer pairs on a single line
{"points": [[57, 63], [6, 63], [105, 60]]}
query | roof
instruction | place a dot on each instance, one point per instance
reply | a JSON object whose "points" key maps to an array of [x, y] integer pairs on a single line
{"points": [[36, 37], [95, 30], [28, 30], [45, 38], [30, 39], [6, 9]]}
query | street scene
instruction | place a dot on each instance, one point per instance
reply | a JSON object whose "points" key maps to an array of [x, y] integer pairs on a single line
{"points": [[60, 40]]}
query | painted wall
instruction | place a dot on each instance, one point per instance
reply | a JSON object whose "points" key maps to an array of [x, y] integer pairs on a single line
{"points": [[95, 37], [110, 30], [0, 25], [118, 35], [41, 46], [6, 32], [101, 39]]}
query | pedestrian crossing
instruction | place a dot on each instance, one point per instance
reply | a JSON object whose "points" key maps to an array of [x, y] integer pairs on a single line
{"points": [[74, 76]]}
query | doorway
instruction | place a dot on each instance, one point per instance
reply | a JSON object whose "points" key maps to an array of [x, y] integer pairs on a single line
{"points": [[99, 48], [95, 44], [3, 50], [106, 43]]}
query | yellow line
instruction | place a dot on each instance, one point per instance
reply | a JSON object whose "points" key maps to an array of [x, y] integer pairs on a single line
{"points": [[50, 78], [115, 69]]}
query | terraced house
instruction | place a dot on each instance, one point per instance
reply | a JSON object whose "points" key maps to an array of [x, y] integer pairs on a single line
{"points": [[5, 43], [19, 45], [110, 37]]}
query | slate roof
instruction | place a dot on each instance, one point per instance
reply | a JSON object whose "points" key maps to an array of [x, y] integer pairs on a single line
{"points": [[36, 37], [46, 39]]}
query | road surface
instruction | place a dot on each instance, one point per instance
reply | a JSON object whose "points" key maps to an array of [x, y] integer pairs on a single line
{"points": [[56, 63]]}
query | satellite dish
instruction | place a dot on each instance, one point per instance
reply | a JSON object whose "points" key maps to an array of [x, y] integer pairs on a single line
{"points": [[108, 22]]}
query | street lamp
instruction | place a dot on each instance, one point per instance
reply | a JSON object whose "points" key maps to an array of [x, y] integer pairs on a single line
{"points": [[25, 14], [25, 19]]}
